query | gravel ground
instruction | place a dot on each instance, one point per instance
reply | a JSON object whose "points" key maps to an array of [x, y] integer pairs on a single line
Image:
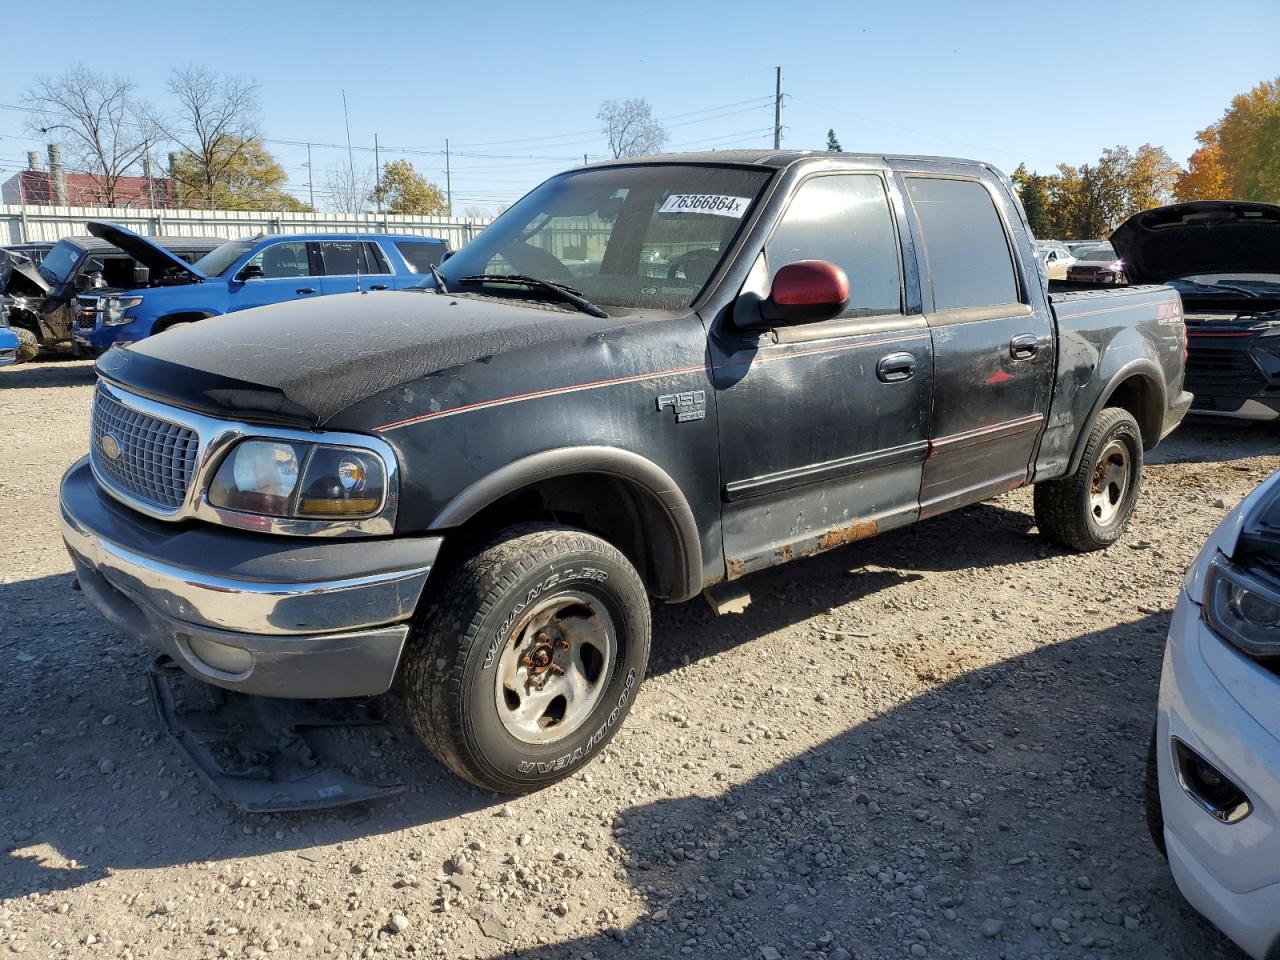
{"points": [[929, 744]]}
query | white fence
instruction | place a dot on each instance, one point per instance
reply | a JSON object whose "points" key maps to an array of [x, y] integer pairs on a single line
{"points": [[29, 224]]}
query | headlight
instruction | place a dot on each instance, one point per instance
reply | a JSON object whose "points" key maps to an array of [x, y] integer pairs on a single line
{"points": [[1242, 609], [114, 309], [279, 478]]}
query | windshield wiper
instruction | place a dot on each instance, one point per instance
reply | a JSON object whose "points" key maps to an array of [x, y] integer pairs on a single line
{"points": [[1211, 287], [441, 287], [567, 294]]}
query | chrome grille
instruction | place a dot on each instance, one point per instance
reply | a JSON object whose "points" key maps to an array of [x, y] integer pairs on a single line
{"points": [[86, 316], [156, 459]]}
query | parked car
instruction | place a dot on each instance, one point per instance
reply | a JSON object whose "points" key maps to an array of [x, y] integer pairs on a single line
{"points": [[1100, 264], [241, 274], [41, 296], [1223, 256], [267, 494], [1213, 773], [1057, 259]]}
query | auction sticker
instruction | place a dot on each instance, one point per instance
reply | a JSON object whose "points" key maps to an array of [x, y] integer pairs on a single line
{"points": [[713, 203]]}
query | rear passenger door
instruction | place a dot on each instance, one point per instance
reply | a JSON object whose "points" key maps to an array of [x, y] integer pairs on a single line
{"points": [[993, 345], [351, 265], [290, 271]]}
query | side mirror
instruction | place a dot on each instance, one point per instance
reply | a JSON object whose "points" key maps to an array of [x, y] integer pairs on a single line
{"points": [[806, 291], [249, 271], [447, 255], [141, 275]]}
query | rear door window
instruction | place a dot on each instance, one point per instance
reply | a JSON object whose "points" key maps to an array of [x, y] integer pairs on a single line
{"points": [[965, 243], [846, 220]]}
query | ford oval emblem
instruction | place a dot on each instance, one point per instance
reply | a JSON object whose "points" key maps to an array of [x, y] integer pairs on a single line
{"points": [[110, 447]]}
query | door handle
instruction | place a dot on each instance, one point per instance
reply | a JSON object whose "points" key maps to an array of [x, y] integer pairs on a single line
{"points": [[378, 286], [306, 290], [1024, 346], [896, 368]]}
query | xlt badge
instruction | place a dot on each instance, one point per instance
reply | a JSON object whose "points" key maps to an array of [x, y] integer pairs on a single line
{"points": [[690, 405]]}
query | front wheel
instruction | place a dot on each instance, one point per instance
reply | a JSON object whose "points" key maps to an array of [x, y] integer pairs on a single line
{"points": [[1089, 509], [527, 657]]}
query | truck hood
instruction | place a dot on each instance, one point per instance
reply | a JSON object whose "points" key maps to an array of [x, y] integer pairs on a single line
{"points": [[156, 259], [19, 276], [300, 363], [1201, 236]]}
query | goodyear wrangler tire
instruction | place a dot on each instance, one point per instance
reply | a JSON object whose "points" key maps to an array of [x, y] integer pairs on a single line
{"points": [[527, 656]]}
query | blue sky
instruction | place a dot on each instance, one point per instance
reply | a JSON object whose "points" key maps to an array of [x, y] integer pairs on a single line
{"points": [[516, 86]]}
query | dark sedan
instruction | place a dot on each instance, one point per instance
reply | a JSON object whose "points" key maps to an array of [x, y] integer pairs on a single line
{"points": [[1098, 264]]}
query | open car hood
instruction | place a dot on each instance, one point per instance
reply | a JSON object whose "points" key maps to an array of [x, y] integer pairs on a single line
{"points": [[1201, 236], [19, 276], [156, 259]]}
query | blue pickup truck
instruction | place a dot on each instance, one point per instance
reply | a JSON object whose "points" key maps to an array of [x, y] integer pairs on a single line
{"points": [[241, 274]]}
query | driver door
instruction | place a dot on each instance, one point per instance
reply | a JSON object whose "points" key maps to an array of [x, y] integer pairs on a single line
{"points": [[824, 427], [290, 271]]}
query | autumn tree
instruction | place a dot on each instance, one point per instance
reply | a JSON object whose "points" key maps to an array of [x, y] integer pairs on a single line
{"points": [[833, 145], [1033, 191], [1205, 177], [215, 122], [630, 127], [249, 178], [1249, 137], [404, 190], [105, 131]]}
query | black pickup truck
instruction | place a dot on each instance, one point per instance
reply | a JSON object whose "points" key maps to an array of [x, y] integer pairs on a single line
{"points": [[646, 379]]}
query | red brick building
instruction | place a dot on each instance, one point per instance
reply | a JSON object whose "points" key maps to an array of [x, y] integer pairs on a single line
{"points": [[38, 188]]}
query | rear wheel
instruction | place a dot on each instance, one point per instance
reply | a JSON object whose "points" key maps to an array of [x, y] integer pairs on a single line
{"points": [[28, 345], [527, 657], [1090, 509]]}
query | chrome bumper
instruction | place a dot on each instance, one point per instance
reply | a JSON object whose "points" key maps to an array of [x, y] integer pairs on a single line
{"points": [[270, 615]]}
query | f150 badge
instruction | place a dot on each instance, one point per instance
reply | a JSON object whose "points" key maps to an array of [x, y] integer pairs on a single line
{"points": [[690, 405]]}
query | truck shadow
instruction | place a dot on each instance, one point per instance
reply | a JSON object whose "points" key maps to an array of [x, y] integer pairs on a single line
{"points": [[1011, 804], [1216, 440]]}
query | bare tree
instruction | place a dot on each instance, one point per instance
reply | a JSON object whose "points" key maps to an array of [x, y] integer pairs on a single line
{"points": [[215, 121], [348, 190], [631, 128], [104, 130]]}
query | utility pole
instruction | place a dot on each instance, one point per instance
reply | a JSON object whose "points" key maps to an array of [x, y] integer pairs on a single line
{"points": [[377, 174], [311, 179], [777, 109], [448, 178]]}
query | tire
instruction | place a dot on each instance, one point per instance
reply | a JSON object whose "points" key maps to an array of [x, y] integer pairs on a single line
{"points": [[1089, 509], [28, 345], [177, 326], [479, 674], [1151, 795]]}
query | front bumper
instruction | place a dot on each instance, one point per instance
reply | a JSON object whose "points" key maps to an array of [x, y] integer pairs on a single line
{"points": [[1230, 872], [271, 615]]}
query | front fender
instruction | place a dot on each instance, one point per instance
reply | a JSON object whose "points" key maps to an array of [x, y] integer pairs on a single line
{"points": [[624, 465]]}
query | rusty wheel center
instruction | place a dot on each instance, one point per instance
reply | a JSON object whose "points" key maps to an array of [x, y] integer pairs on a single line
{"points": [[554, 668]]}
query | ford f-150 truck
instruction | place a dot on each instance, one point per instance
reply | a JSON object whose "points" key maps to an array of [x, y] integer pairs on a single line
{"points": [[473, 491], [241, 274]]}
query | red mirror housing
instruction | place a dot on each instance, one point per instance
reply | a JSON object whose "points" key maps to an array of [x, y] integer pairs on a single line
{"points": [[805, 292]]}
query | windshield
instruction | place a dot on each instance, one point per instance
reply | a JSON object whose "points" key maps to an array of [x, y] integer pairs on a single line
{"points": [[647, 236], [219, 258], [1096, 254], [60, 261]]}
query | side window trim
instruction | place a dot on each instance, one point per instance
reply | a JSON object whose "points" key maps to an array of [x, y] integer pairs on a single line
{"points": [[1015, 262], [869, 319]]}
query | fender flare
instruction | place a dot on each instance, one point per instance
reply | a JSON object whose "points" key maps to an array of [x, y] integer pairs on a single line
{"points": [[568, 461], [1142, 366]]}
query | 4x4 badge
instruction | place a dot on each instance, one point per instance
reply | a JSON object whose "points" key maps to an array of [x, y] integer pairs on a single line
{"points": [[690, 405]]}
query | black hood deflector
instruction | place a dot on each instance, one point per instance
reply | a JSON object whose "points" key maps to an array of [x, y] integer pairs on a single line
{"points": [[302, 362], [1201, 236]]}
